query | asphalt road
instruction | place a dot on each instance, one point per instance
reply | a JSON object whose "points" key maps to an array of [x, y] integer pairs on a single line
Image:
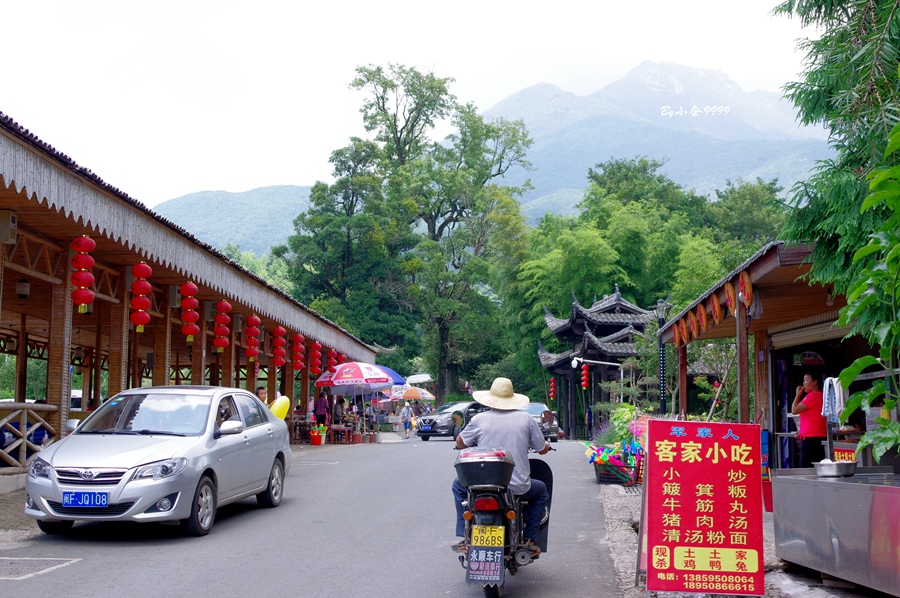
{"points": [[360, 520]]}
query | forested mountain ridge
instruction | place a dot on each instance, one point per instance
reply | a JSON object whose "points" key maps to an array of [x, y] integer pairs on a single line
{"points": [[255, 220], [706, 128], [757, 137]]}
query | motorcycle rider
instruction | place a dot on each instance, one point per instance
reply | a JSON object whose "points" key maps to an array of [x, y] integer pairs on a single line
{"points": [[505, 426]]}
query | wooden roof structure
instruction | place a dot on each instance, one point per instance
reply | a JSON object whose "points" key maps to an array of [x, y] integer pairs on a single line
{"points": [[47, 200]]}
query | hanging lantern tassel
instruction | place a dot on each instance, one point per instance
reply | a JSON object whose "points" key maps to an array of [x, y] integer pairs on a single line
{"points": [[140, 289], [82, 279], [221, 330], [251, 339], [189, 315]]}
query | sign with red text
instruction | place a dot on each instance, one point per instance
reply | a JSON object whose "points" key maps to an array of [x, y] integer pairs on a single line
{"points": [[704, 508]]}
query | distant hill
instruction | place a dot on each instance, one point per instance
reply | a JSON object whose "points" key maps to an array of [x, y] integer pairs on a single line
{"points": [[708, 129], [756, 137], [255, 220]]}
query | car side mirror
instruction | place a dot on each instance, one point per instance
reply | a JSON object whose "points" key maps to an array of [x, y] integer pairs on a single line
{"points": [[231, 427], [71, 424], [458, 418]]}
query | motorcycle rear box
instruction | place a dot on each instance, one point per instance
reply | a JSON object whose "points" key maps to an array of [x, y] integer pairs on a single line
{"points": [[483, 466]]}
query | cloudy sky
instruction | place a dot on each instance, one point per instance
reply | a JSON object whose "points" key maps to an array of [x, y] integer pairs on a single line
{"points": [[170, 97]]}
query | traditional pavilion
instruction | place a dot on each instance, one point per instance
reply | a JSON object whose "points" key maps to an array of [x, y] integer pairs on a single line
{"points": [[601, 336], [95, 283]]}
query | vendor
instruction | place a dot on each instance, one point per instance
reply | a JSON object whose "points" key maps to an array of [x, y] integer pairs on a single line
{"points": [[813, 427], [337, 414]]}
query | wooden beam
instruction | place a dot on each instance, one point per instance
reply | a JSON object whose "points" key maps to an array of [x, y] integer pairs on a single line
{"points": [[743, 370]]}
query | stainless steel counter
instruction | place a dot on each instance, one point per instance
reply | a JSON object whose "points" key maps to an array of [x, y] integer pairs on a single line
{"points": [[846, 527]]}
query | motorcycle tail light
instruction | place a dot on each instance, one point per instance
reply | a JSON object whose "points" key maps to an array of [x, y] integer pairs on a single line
{"points": [[467, 515], [486, 503], [510, 514]]}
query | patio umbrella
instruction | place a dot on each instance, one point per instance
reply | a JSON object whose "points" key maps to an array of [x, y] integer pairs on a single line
{"points": [[395, 377], [415, 393], [355, 378]]}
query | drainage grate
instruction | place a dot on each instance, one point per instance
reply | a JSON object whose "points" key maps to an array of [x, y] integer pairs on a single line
{"points": [[23, 568]]}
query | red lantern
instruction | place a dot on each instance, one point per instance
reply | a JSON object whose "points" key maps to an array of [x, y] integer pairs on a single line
{"points": [[82, 296], [316, 347], [279, 342], [297, 351], [251, 334], [315, 370], [189, 316], [221, 329], [140, 288], [342, 358]]}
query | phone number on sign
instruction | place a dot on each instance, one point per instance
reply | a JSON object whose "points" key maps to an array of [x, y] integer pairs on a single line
{"points": [[708, 586], [718, 578]]}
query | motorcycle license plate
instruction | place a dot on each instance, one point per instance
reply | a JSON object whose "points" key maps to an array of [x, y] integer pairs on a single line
{"points": [[85, 499], [487, 535]]}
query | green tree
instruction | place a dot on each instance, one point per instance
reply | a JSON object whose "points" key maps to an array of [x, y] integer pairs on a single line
{"points": [[848, 86], [698, 269]]}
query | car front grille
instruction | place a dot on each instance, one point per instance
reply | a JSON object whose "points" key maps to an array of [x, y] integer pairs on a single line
{"points": [[101, 477], [109, 511]]}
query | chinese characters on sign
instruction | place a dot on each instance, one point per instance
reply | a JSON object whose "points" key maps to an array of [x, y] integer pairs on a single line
{"points": [[485, 565], [704, 508], [695, 110]]}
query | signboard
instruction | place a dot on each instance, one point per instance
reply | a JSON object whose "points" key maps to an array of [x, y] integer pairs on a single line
{"points": [[704, 508]]}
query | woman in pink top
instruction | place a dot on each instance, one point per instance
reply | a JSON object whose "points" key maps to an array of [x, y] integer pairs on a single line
{"points": [[813, 427]]}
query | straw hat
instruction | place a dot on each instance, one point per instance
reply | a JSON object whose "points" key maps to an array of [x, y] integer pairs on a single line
{"points": [[501, 396]]}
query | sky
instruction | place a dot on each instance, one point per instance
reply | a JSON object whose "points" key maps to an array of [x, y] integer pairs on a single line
{"points": [[164, 98]]}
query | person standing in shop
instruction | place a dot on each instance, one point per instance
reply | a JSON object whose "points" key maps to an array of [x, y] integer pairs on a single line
{"points": [[813, 427]]}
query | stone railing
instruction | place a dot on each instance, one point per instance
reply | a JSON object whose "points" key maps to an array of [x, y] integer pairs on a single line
{"points": [[24, 431]]}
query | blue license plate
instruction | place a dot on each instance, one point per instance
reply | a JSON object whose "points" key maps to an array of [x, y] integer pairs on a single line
{"points": [[426, 428], [85, 499]]}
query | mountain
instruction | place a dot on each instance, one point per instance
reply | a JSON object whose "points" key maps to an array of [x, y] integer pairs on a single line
{"points": [[706, 128], [255, 220]]}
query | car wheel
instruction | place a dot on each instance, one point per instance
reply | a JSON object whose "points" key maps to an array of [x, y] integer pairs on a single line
{"points": [[554, 438], [55, 527], [493, 591], [203, 509], [424, 437], [271, 496]]}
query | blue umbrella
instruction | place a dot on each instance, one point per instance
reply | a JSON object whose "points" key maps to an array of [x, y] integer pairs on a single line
{"points": [[395, 377]]}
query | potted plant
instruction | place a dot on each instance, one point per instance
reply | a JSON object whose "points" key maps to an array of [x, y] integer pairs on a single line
{"points": [[317, 434]]}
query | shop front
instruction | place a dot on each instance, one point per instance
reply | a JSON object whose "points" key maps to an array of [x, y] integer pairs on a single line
{"points": [[785, 329]]}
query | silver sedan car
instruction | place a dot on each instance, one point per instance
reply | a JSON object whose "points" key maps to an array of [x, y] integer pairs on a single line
{"points": [[167, 453]]}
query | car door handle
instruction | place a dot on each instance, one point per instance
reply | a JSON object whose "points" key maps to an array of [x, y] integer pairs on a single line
{"points": [[271, 432], [247, 440]]}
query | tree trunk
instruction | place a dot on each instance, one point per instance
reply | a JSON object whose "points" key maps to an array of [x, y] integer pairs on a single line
{"points": [[443, 351]]}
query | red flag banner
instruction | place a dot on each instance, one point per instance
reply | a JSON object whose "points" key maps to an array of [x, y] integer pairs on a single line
{"points": [[704, 508]]}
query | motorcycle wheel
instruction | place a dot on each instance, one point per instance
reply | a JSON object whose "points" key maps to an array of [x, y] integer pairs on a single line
{"points": [[493, 591]]}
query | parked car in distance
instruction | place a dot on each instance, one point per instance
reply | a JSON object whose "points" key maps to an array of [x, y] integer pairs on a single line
{"points": [[440, 423], [545, 419], [166, 453]]}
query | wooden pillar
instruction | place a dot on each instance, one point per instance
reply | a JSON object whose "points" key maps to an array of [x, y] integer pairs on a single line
{"points": [[681, 352], [251, 373], [227, 360], [304, 389], [96, 358], [59, 337], [761, 392], [162, 343], [743, 369], [198, 353], [118, 340], [22, 360], [272, 379]]}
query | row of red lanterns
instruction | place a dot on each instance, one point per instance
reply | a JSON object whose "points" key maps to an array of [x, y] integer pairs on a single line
{"points": [[82, 296], [553, 388], [585, 375]]}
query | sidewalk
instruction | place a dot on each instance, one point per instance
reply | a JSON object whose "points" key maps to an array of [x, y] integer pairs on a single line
{"points": [[622, 510]]}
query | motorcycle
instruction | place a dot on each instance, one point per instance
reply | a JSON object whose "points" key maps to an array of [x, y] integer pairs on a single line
{"points": [[494, 517]]}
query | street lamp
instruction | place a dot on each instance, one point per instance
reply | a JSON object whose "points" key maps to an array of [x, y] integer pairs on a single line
{"points": [[662, 311]]}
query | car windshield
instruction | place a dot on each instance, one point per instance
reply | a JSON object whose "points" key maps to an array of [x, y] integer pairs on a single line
{"points": [[163, 413], [535, 408], [449, 407]]}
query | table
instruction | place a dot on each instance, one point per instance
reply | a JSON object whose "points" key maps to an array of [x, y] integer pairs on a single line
{"points": [[300, 431], [339, 434]]}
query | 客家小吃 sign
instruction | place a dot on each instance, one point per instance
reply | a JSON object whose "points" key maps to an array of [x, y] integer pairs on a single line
{"points": [[704, 508]]}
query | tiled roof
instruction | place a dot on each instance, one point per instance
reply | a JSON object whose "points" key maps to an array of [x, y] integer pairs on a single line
{"points": [[612, 349], [549, 360]]}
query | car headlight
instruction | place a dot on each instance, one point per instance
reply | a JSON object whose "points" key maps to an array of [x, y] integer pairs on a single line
{"points": [[161, 469], [40, 469]]}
